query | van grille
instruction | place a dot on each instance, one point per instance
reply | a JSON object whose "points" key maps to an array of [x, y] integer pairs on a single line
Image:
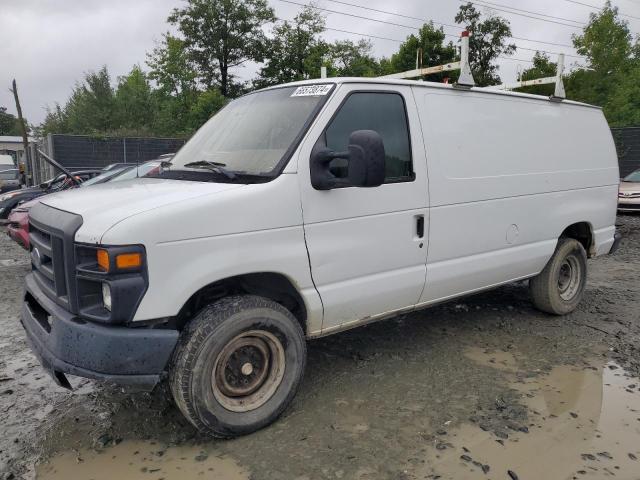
{"points": [[47, 261], [51, 234]]}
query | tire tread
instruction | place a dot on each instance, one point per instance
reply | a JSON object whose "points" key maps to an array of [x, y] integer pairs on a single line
{"points": [[194, 336], [542, 286]]}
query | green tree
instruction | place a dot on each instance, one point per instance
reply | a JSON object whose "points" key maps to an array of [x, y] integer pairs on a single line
{"points": [[295, 51], [134, 102], [9, 123], [171, 68], [222, 34], [488, 41], [91, 107], [435, 51], [175, 77], [605, 41], [206, 105], [56, 121], [352, 59], [623, 105]]}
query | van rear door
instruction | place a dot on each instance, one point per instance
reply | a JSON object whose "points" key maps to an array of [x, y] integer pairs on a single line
{"points": [[368, 246]]}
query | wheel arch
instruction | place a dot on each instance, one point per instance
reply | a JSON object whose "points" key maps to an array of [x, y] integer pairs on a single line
{"points": [[272, 285], [583, 232]]}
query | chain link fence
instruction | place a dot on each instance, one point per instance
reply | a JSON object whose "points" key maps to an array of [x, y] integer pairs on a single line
{"points": [[628, 146]]}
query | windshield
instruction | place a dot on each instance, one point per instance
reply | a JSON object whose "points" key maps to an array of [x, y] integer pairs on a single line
{"points": [[106, 176], [9, 175], [254, 133], [633, 177], [145, 170]]}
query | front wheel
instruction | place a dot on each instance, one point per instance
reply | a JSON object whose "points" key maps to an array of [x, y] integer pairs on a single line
{"points": [[237, 366], [559, 288]]}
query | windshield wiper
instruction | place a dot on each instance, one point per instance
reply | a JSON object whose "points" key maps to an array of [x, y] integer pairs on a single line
{"points": [[214, 167]]}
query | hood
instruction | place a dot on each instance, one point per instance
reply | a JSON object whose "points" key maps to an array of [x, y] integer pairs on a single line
{"points": [[629, 187], [102, 206]]}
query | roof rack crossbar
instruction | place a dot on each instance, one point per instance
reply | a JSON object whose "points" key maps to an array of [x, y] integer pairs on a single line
{"points": [[465, 79], [559, 92]]}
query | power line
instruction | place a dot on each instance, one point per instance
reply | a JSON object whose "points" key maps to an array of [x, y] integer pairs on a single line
{"points": [[600, 8], [422, 19], [555, 44], [515, 59], [364, 35], [521, 14], [386, 12], [415, 28], [402, 41], [534, 13], [348, 14]]}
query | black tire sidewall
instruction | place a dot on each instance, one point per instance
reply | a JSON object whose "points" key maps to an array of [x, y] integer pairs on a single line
{"points": [[209, 411], [568, 248]]}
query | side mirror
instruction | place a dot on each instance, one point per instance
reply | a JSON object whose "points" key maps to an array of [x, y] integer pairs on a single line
{"points": [[365, 163], [43, 185]]}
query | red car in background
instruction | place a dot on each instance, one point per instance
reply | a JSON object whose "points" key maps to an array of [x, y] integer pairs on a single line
{"points": [[18, 226]]}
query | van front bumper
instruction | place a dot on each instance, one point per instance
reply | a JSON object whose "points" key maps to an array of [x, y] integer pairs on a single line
{"points": [[66, 344]]}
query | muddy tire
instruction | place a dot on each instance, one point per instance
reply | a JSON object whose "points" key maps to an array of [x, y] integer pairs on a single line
{"points": [[237, 365], [559, 288]]}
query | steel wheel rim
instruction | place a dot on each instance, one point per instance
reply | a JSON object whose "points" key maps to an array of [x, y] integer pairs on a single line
{"points": [[248, 371], [569, 278]]}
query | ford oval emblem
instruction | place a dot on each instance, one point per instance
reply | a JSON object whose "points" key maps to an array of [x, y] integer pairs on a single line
{"points": [[37, 259]]}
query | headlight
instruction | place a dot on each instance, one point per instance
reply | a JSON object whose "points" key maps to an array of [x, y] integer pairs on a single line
{"points": [[106, 295]]}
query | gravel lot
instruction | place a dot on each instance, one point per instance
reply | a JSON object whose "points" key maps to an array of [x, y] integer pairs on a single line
{"points": [[474, 388]]}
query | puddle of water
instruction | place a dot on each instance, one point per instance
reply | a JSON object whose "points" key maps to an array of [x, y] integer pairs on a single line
{"points": [[583, 424], [135, 459]]}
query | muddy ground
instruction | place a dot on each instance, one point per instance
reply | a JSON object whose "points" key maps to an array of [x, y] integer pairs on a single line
{"points": [[483, 387]]}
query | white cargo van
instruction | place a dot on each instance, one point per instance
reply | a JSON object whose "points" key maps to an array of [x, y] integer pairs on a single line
{"points": [[306, 209]]}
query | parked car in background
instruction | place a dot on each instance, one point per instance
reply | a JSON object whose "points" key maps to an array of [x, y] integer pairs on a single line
{"points": [[629, 193], [18, 223], [10, 200], [9, 180], [18, 220], [6, 162]]}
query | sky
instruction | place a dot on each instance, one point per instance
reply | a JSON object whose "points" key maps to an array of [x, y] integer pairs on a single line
{"points": [[47, 45]]}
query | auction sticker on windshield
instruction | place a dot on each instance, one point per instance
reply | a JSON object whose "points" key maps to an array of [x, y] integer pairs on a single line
{"points": [[311, 90]]}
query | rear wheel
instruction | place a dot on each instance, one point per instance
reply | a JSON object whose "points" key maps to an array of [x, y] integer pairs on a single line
{"points": [[559, 288], [237, 365]]}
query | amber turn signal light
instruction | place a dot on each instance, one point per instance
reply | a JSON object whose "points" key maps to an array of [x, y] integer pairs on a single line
{"points": [[128, 260], [103, 260]]}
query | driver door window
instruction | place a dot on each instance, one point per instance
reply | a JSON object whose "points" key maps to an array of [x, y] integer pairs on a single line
{"points": [[386, 114]]}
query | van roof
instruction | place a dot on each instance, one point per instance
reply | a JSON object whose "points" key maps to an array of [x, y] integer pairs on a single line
{"points": [[424, 84]]}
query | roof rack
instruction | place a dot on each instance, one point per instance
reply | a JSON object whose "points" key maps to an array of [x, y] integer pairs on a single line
{"points": [[466, 78], [559, 93]]}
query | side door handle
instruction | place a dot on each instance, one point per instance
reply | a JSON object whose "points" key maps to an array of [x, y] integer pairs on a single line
{"points": [[420, 226]]}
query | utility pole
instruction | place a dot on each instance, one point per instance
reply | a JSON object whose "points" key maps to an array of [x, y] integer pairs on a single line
{"points": [[23, 125]]}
